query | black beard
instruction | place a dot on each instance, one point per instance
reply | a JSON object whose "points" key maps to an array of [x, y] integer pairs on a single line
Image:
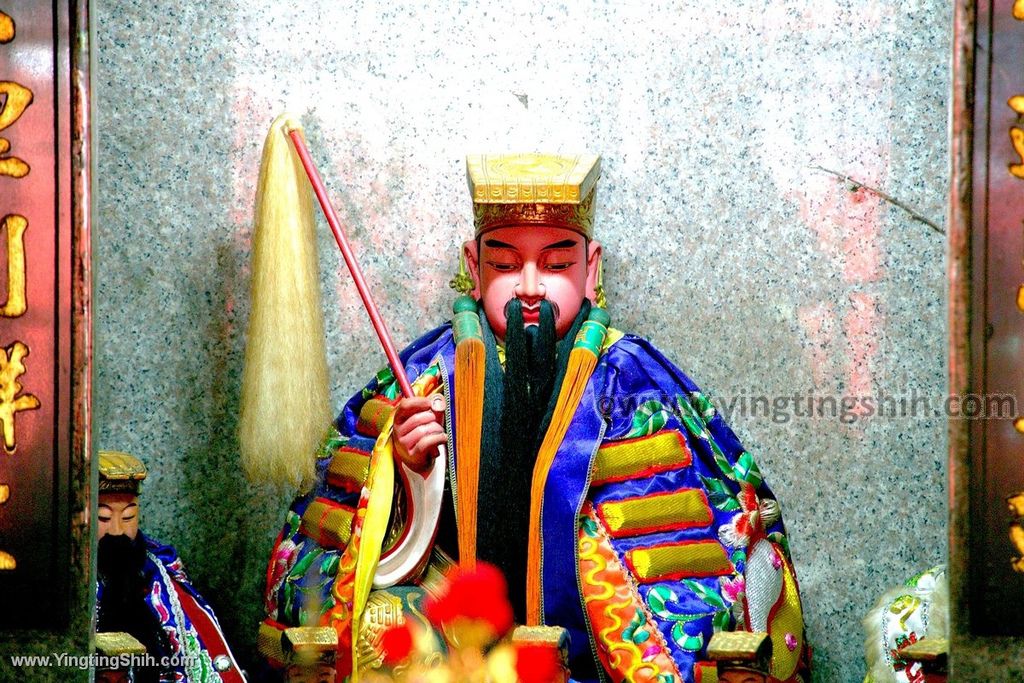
{"points": [[527, 385], [120, 564], [529, 371], [518, 404]]}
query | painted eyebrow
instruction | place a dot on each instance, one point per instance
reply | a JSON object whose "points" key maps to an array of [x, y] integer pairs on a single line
{"points": [[497, 244], [564, 244]]}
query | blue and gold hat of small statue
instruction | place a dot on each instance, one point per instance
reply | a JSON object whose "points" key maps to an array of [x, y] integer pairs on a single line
{"points": [[528, 190], [120, 472]]}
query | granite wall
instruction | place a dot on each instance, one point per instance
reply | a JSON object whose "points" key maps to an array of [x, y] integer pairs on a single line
{"points": [[732, 238]]}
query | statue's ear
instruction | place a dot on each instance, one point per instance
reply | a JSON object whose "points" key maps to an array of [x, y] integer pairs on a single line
{"points": [[471, 252], [593, 269]]}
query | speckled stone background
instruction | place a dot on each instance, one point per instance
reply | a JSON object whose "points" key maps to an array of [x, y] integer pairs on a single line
{"points": [[728, 245]]}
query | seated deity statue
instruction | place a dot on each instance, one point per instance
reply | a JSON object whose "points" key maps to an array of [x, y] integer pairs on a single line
{"points": [[543, 440], [142, 589]]}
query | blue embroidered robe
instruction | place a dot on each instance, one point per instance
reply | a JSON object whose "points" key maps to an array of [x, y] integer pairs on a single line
{"points": [[634, 392]]}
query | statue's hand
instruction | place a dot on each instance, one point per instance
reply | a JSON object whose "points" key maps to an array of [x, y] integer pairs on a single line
{"points": [[419, 430]]}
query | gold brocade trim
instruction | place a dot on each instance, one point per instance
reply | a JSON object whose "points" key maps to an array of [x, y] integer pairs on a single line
{"points": [[785, 622], [705, 672], [554, 636], [641, 457], [268, 642], [657, 512], [328, 523], [614, 335], [578, 217], [348, 469], [373, 415], [688, 559]]}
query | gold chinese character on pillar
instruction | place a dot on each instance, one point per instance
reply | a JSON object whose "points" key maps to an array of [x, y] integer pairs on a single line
{"points": [[16, 99], [16, 304], [12, 367], [1017, 137], [7, 561], [1016, 103], [1015, 503]]}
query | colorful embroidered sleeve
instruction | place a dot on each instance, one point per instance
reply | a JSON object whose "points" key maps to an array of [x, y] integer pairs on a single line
{"points": [[675, 505], [319, 525], [197, 643]]}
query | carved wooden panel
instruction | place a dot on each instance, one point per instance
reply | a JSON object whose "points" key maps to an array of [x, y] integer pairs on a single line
{"points": [[44, 342], [996, 571]]}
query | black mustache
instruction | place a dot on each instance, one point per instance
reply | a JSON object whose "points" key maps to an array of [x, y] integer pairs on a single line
{"points": [[531, 307]]}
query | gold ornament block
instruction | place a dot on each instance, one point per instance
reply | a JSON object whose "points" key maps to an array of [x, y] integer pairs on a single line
{"points": [[268, 642], [307, 645], [932, 653], [741, 650], [374, 415], [531, 178], [116, 643]]}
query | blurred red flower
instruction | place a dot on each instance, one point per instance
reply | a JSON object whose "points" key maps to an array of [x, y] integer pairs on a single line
{"points": [[396, 644], [538, 663], [480, 594]]}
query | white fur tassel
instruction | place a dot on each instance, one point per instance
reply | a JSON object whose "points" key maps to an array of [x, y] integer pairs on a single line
{"points": [[285, 404]]}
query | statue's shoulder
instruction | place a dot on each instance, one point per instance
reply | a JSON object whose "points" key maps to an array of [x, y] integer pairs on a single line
{"points": [[638, 388], [638, 356], [433, 339], [166, 556]]}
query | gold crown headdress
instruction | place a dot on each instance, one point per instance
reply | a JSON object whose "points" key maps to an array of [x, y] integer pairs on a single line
{"points": [[533, 190], [120, 472]]}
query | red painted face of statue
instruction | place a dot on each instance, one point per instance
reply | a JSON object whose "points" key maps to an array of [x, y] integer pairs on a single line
{"points": [[532, 264]]}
